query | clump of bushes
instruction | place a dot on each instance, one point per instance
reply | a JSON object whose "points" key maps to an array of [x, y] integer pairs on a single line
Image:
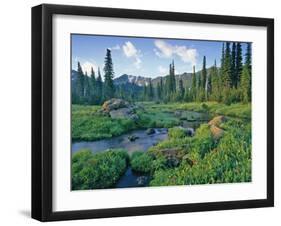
{"points": [[227, 161], [176, 132], [141, 162], [101, 170]]}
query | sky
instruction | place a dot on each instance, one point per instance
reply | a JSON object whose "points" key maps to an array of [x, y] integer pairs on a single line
{"points": [[148, 57]]}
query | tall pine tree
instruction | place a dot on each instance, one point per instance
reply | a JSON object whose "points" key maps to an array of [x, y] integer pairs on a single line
{"points": [[233, 65], [193, 89], [80, 83], [108, 76], [238, 64], [99, 85]]}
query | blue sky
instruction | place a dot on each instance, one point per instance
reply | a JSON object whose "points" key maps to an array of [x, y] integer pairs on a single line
{"points": [[149, 57]]}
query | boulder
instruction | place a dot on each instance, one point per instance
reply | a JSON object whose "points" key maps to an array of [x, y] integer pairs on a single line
{"points": [[150, 131], [114, 104], [132, 138], [216, 132], [217, 121], [142, 180], [188, 131], [173, 162]]}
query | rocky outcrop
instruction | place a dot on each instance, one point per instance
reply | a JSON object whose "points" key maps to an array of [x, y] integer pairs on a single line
{"points": [[217, 121], [119, 109], [215, 124], [150, 131], [216, 132], [114, 104]]}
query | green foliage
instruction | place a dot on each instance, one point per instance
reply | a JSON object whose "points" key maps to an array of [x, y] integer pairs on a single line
{"points": [[109, 88], [101, 170], [176, 132], [89, 124], [141, 162], [203, 140], [227, 161]]}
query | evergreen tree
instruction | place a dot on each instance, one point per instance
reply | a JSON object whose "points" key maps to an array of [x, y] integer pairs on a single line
{"points": [[238, 64], [145, 93], [150, 90], [99, 85], [181, 89], [222, 57], [108, 76], [227, 67], [161, 88], [87, 88], [245, 84], [233, 65], [248, 62], [248, 57], [158, 89], [215, 80], [204, 74], [93, 96], [193, 85], [173, 77], [80, 83]]}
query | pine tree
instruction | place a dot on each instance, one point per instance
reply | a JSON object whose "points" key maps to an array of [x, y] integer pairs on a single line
{"points": [[181, 89], [161, 88], [248, 61], [248, 57], [233, 65], [87, 88], [99, 85], [238, 64], [150, 90], [245, 84], [215, 80], [204, 74], [173, 77], [93, 87], [145, 93], [158, 91], [80, 83], [193, 85], [108, 76], [227, 67], [222, 57]]}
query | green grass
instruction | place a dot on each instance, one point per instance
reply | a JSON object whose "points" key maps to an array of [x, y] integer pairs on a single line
{"points": [[141, 162], [89, 124], [102, 170], [225, 161]]}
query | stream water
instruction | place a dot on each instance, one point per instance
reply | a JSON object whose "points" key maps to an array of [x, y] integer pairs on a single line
{"points": [[143, 142]]}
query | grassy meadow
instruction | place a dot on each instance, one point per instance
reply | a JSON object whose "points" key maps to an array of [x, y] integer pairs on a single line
{"points": [[178, 160]]}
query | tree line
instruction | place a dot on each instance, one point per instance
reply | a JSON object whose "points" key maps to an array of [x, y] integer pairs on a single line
{"points": [[229, 83]]}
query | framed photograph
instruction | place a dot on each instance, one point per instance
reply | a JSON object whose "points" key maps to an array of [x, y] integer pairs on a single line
{"points": [[146, 112]]}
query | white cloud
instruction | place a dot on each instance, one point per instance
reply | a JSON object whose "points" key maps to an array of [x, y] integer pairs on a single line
{"points": [[116, 47], [166, 50], [131, 51], [162, 70], [86, 67]]}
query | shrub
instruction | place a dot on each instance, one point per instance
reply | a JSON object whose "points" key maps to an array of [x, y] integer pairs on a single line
{"points": [[176, 132], [101, 170], [141, 162]]}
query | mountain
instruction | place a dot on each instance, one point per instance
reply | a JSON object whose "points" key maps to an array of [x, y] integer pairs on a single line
{"points": [[132, 82], [131, 79], [141, 81]]}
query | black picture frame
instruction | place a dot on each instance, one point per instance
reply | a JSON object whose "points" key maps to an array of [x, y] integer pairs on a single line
{"points": [[42, 111]]}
